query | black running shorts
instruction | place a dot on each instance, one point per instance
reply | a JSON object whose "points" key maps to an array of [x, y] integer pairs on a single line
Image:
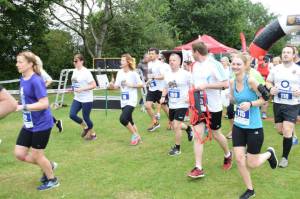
{"points": [[250, 138], [215, 120], [154, 96], [177, 114], [285, 112], [36, 140]]}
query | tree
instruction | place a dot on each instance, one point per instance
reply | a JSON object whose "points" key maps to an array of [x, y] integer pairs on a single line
{"points": [[222, 19], [57, 53], [22, 26], [138, 25], [78, 18]]}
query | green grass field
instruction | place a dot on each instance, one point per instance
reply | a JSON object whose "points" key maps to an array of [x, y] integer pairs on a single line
{"points": [[110, 168]]}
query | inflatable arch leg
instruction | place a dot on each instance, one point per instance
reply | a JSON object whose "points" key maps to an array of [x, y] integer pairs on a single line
{"points": [[272, 32]]}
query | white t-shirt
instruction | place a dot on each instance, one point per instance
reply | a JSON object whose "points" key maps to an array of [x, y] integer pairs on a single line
{"points": [[81, 78], [286, 79], [128, 95], [209, 72], [225, 93], [178, 84], [157, 68], [46, 77]]}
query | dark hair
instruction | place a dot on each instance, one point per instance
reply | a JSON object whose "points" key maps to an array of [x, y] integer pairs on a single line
{"points": [[200, 47], [79, 56], [154, 49]]}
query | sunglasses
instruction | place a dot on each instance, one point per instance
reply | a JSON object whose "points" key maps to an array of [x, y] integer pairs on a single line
{"points": [[75, 61]]}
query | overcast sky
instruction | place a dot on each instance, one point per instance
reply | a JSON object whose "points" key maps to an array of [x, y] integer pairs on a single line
{"points": [[281, 7]]}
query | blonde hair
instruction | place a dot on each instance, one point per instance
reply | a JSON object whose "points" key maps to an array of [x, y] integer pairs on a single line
{"points": [[39, 62], [130, 60], [31, 58]]}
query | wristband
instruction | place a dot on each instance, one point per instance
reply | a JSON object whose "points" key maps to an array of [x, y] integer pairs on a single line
{"points": [[251, 104], [163, 96], [25, 107]]}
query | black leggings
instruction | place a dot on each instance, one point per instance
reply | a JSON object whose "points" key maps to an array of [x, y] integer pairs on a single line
{"points": [[126, 115]]}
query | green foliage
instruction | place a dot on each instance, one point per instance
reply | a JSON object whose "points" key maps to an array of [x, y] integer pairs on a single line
{"points": [[222, 19], [22, 26], [57, 52], [136, 26]]}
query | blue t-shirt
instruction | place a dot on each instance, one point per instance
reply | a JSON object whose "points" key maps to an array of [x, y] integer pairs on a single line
{"points": [[31, 91], [250, 119]]}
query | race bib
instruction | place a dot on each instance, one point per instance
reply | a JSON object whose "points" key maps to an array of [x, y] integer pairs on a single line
{"points": [[242, 117], [27, 119], [125, 96], [75, 85], [152, 83], [285, 95], [174, 95]]}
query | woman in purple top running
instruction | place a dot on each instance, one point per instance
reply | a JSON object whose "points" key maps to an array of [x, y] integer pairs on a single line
{"points": [[34, 135]]}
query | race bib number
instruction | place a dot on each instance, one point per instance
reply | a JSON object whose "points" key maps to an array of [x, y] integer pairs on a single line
{"points": [[153, 83], [285, 95], [174, 95], [242, 117], [75, 85], [27, 119], [125, 96]]}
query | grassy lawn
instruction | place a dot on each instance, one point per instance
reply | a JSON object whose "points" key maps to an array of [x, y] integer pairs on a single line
{"points": [[110, 168]]}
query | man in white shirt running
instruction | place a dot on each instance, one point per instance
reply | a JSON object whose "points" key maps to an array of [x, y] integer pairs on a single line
{"points": [[209, 77], [156, 72], [177, 83], [284, 83]]}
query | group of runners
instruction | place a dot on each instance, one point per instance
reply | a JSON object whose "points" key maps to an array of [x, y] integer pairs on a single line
{"points": [[195, 89]]}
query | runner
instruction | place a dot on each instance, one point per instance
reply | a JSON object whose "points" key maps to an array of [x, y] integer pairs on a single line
{"points": [[177, 83], [48, 80], [156, 71], [34, 135], [247, 132], [208, 77], [128, 81], [83, 83], [284, 83]]}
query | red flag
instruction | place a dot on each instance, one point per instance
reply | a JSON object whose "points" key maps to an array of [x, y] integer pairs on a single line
{"points": [[243, 41]]}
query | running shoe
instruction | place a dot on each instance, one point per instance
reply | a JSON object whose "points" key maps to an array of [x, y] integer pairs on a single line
{"points": [[264, 115], [49, 184], [174, 151], [154, 127], [227, 162], [135, 140], [273, 161], [59, 125], [248, 194], [295, 140], [44, 178], [196, 173], [283, 163]]}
